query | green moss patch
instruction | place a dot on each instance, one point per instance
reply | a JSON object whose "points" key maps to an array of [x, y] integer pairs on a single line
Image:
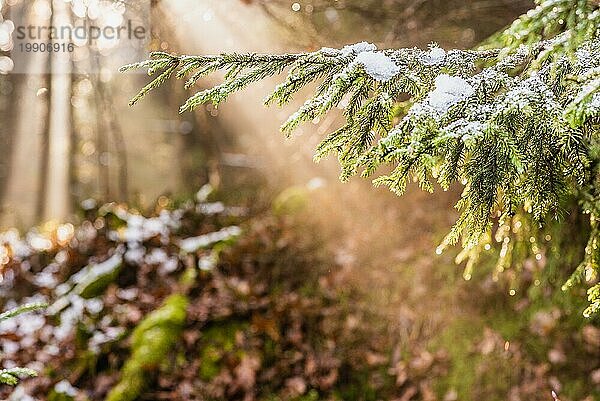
{"points": [[151, 341]]}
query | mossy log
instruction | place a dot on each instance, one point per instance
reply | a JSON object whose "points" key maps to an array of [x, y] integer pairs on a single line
{"points": [[151, 341]]}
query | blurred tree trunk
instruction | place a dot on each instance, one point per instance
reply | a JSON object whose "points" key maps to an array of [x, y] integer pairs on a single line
{"points": [[7, 88], [24, 130], [109, 131], [102, 153], [42, 187], [57, 199]]}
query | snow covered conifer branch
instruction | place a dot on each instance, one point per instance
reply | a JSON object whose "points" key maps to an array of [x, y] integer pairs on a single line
{"points": [[516, 121]]}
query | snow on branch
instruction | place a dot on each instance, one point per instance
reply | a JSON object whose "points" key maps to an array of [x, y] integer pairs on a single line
{"points": [[512, 121]]}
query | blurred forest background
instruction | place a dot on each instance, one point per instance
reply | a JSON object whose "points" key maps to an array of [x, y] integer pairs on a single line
{"points": [[100, 153], [347, 297]]}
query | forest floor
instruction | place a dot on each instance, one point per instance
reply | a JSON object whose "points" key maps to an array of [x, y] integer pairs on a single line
{"points": [[200, 300]]}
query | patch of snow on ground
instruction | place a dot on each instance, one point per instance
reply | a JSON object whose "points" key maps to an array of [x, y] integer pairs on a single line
{"points": [[66, 388], [193, 244], [93, 271]]}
